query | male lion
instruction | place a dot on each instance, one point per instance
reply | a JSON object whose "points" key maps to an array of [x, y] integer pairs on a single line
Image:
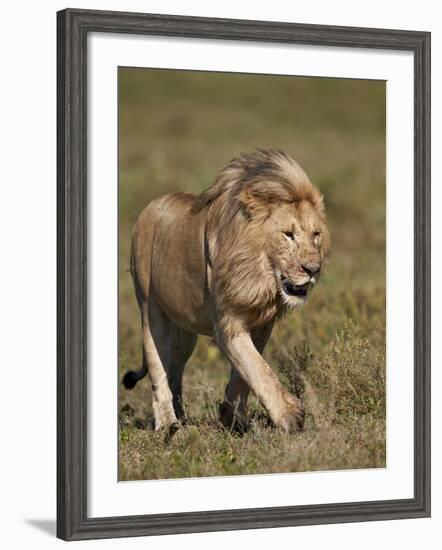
{"points": [[227, 263]]}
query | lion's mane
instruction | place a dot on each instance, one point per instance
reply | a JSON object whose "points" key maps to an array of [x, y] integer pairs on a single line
{"points": [[235, 206]]}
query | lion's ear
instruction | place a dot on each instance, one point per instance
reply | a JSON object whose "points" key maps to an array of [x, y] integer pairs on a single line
{"points": [[253, 204]]}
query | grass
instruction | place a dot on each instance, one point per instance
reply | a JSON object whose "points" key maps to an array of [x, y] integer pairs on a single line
{"points": [[177, 129]]}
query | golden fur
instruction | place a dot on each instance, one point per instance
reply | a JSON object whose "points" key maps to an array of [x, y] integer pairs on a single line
{"points": [[227, 263]]}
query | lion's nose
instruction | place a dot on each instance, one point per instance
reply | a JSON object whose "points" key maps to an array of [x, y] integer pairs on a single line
{"points": [[311, 268]]}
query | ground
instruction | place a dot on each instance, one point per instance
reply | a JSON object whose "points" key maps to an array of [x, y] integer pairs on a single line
{"points": [[177, 129]]}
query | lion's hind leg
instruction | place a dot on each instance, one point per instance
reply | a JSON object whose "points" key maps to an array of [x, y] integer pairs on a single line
{"points": [[182, 346], [166, 349], [157, 335]]}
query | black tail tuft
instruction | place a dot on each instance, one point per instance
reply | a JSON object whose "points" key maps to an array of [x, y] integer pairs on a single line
{"points": [[130, 379]]}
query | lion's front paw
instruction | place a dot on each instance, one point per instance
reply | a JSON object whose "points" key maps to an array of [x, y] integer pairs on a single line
{"points": [[232, 418], [293, 419]]}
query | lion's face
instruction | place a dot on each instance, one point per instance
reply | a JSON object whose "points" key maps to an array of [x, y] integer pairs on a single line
{"points": [[296, 242]]}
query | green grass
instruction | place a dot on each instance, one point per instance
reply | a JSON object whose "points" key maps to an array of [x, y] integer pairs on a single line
{"points": [[177, 129]]}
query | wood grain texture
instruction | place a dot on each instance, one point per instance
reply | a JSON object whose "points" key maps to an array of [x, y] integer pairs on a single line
{"points": [[72, 29]]}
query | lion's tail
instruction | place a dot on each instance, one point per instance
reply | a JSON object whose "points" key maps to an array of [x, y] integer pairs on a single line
{"points": [[133, 376]]}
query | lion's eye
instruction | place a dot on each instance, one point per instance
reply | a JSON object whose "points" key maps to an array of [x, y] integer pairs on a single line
{"points": [[289, 235]]}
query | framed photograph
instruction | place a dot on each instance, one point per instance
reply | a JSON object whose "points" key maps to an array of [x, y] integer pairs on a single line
{"points": [[243, 274]]}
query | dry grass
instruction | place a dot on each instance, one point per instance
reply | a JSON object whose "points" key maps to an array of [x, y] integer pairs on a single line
{"points": [[176, 130]]}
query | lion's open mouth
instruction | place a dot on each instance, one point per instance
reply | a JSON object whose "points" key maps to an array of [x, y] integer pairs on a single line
{"points": [[294, 290]]}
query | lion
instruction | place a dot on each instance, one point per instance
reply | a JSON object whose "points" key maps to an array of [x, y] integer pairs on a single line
{"points": [[227, 264]]}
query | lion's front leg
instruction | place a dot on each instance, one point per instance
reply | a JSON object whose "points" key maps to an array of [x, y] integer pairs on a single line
{"points": [[233, 409], [285, 410]]}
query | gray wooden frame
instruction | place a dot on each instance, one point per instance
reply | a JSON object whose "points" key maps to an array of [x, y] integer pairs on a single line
{"points": [[73, 27]]}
